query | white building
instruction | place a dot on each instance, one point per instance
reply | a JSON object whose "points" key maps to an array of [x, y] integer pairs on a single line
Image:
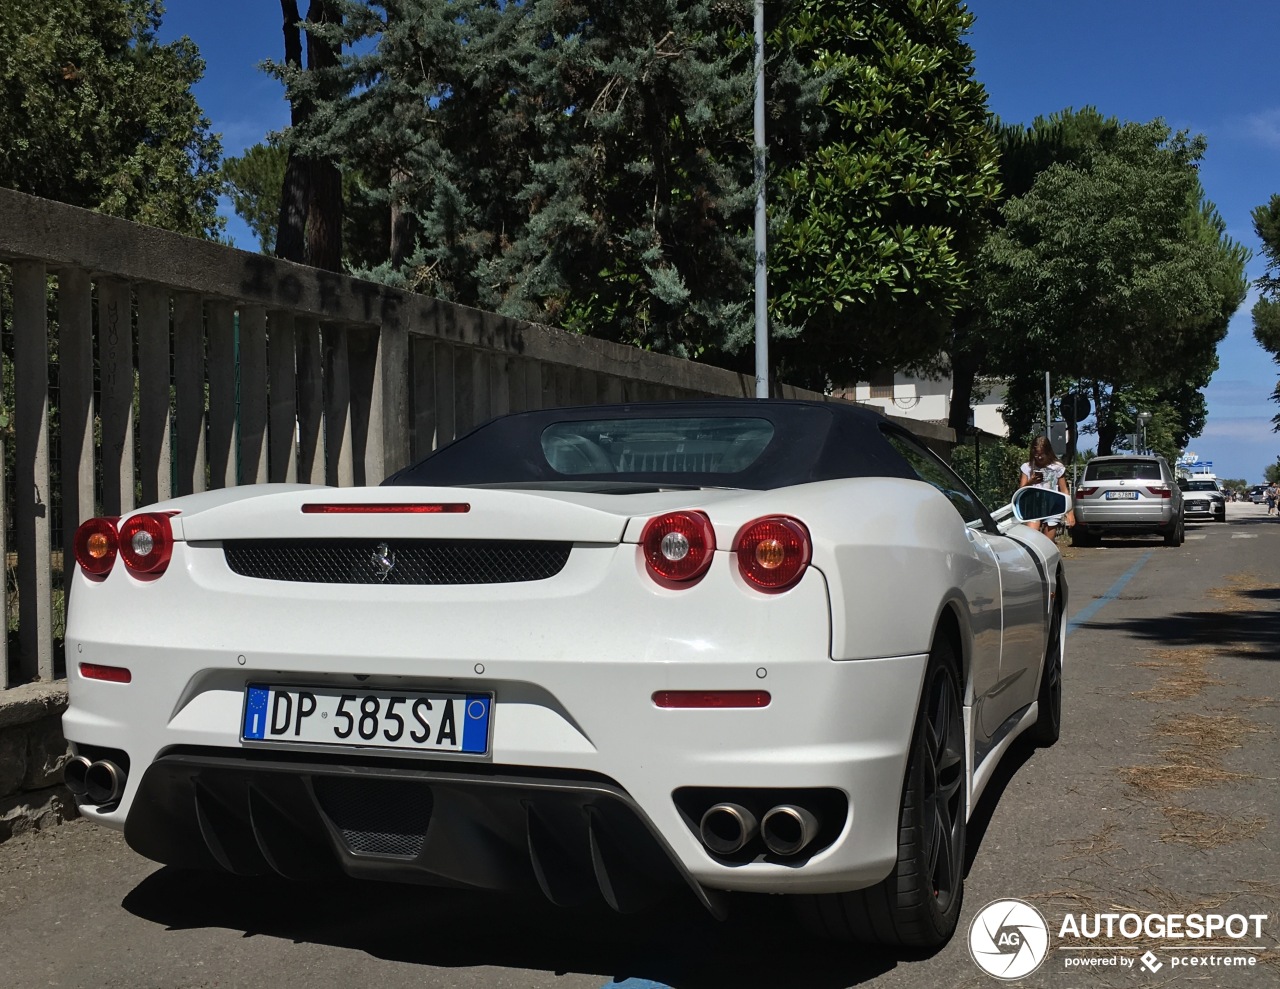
{"points": [[929, 400]]}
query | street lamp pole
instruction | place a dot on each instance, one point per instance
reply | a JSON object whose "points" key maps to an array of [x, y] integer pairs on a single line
{"points": [[762, 271]]}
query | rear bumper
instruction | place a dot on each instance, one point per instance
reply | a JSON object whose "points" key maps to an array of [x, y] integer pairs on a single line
{"points": [[1102, 519], [572, 665], [579, 839]]}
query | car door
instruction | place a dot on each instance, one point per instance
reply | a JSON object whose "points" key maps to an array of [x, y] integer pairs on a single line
{"points": [[997, 583]]}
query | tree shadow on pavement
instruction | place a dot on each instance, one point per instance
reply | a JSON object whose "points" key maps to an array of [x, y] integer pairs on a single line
{"points": [[1246, 632], [679, 945]]}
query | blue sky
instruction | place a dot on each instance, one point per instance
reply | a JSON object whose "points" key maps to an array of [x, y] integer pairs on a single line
{"points": [[1206, 67]]}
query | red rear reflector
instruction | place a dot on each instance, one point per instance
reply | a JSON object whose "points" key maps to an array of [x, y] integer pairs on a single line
{"points": [[1160, 492], [1085, 492], [390, 508], [114, 674], [711, 698]]}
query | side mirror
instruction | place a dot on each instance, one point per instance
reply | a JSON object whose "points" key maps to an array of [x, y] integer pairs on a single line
{"points": [[1032, 504]]}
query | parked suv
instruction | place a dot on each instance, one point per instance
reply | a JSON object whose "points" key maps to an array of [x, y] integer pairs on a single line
{"points": [[1202, 498], [1127, 495]]}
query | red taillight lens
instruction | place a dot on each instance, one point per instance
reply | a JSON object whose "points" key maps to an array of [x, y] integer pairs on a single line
{"points": [[773, 552], [1085, 492], [678, 546], [146, 542], [1160, 492], [95, 545], [711, 698]]}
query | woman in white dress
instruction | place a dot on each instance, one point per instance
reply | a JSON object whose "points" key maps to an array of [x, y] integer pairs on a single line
{"points": [[1044, 470]]}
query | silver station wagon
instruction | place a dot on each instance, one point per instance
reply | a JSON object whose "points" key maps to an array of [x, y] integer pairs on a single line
{"points": [[1127, 495]]}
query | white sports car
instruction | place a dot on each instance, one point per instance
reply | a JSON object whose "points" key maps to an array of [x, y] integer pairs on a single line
{"points": [[728, 646]]}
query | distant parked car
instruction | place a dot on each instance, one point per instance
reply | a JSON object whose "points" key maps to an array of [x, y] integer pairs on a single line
{"points": [[1202, 498], [1127, 495], [1258, 494]]}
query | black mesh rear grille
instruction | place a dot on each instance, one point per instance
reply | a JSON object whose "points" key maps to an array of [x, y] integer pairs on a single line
{"points": [[397, 561], [377, 817]]}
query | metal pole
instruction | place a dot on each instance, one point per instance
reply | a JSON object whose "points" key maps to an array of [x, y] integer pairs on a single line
{"points": [[1048, 415], [762, 271]]}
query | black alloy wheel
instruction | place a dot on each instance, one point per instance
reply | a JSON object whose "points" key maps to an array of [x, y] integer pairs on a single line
{"points": [[917, 906], [1048, 724]]}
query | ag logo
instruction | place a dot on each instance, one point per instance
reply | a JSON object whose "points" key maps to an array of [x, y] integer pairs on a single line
{"points": [[1008, 939]]}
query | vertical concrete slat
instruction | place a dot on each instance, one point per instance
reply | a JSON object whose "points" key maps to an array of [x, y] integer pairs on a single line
{"points": [[423, 355], [390, 410], [517, 378], [611, 391], [188, 392], [464, 390], [282, 460], [446, 407], [481, 372], [365, 373], [337, 405], [223, 397], [33, 501], [563, 378], [533, 395], [548, 387], [75, 409], [500, 366], [4, 539], [253, 395], [308, 355], [153, 393], [115, 382]]}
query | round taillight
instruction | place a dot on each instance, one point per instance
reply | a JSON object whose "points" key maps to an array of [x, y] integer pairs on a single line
{"points": [[678, 546], [95, 545], [146, 542], [773, 552]]}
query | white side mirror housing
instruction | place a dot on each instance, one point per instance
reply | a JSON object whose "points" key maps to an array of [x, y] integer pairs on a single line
{"points": [[1032, 504]]}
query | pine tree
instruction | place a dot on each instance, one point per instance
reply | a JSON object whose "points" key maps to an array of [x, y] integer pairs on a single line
{"points": [[94, 112]]}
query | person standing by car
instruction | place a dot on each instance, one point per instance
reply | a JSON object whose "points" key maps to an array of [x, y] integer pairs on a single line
{"points": [[1272, 494], [1043, 469]]}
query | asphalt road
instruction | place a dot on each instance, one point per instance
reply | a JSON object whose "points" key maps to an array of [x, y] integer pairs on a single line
{"points": [[1161, 798]]}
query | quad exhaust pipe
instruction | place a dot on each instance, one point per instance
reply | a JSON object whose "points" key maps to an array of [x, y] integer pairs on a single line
{"points": [[96, 783], [727, 828], [788, 828]]}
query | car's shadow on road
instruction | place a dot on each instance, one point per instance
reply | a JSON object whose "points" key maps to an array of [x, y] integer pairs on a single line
{"points": [[679, 945]]}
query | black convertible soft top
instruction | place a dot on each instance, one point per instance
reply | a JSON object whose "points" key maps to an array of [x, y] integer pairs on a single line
{"points": [[739, 443]]}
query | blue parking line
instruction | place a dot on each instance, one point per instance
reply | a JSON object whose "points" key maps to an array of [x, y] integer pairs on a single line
{"points": [[1112, 593], [635, 984]]}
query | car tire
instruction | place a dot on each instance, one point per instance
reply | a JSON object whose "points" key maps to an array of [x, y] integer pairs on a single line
{"points": [[1048, 725], [917, 906], [1176, 535], [1083, 539]]}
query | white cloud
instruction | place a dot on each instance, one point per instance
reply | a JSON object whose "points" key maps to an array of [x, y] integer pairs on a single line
{"points": [[1257, 429], [1265, 127]]}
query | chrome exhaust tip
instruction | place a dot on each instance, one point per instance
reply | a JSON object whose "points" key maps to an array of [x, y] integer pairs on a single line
{"points": [[787, 829], [103, 783], [73, 775], [727, 828]]}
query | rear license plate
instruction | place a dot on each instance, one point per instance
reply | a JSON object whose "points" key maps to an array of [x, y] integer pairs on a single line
{"points": [[1122, 496], [389, 719]]}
